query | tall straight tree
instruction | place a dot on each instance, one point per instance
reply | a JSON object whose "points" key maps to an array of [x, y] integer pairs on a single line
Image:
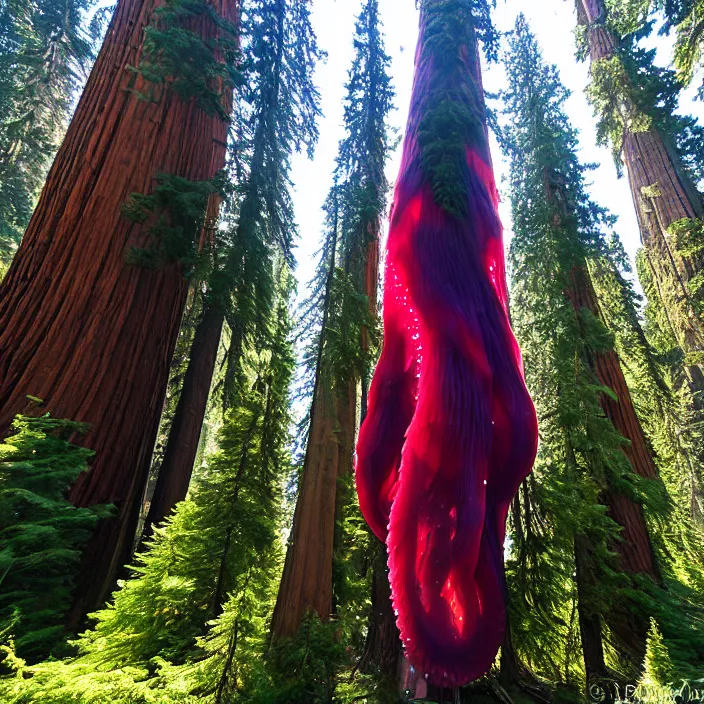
{"points": [[218, 556], [280, 49], [595, 467], [343, 309], [45, 53], [91, 306], [634, 102]]}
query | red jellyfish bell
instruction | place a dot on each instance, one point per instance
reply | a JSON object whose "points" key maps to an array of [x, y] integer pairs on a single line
{"points": [[451, 431]]}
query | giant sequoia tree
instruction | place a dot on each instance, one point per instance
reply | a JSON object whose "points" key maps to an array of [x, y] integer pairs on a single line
{"points": [[216, 558], [634, 102], [343, 308], [280, 108], [583, 513], [90, 309]]}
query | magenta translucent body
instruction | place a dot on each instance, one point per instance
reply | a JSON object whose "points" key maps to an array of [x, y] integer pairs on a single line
{"points": [[451, 431]]}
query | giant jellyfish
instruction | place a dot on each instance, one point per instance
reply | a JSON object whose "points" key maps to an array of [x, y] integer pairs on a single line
{"points": [[451, 431]]}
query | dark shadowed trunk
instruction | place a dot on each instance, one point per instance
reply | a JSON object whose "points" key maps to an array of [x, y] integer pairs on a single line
{"points": [[79, 328], [382, 650], [590, 627], [184, 435]]}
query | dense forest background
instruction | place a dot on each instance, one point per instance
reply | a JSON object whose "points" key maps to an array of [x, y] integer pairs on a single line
{"points": [[186, 346]]}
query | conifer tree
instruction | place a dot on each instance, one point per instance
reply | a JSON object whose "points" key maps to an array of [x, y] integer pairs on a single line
{"points": [[91, 306], [687, 18], [635, 102], [683, 17], [216, 559], [341, 314], [41, 533], [280, 113], [45, 53], [582, 513]]}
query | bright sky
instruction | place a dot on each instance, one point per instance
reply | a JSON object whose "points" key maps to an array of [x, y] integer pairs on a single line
{"points": [[551, 20]]}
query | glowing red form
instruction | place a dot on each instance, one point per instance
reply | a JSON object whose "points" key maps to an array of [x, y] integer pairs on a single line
{"points": [[451, 431]]}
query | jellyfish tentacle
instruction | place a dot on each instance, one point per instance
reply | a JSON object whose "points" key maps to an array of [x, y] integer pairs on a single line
{"points": [[451, 431]]}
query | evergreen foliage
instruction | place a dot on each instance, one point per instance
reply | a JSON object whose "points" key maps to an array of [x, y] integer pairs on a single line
{"points": [[683, 17], [559, 239], [629, 92], [174, 212], [41, 533], [337, 309], [193, 613], [174, 55], [45, 52], [279, 116], [340, 324], [340, 339], [189, 621]]}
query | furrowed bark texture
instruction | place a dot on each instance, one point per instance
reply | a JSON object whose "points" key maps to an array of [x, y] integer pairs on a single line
{"points": [[662, 194], [80, 329], [635, 549], [306, 584]]}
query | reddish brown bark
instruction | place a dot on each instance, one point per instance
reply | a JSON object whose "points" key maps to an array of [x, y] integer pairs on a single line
{"points": [[662, 194], [635, 550], [306, 584], [184, 435], [79, 328]]}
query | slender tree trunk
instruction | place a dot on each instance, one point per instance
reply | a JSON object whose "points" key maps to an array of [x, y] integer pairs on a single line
{"points": [[662, 194], [346, 412], [589, 622], [635, 549], [382, 650], [306, 584], [184, 435], [307, 580], [79, 328]]}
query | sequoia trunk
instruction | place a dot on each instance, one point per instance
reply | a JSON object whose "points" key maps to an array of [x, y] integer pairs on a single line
{"points": [[184, 435], [662, 194], [382, 650], [634, 548], [306, 584], [80, 328]]}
